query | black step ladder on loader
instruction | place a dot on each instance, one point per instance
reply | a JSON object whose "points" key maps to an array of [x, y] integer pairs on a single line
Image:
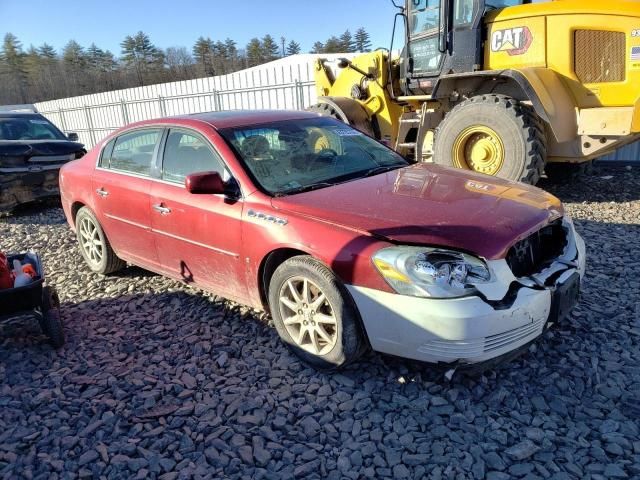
{"points": [[421, 122]]}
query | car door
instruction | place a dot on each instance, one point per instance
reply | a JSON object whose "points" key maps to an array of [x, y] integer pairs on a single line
{"points": [[197, 237], [121, 185]]}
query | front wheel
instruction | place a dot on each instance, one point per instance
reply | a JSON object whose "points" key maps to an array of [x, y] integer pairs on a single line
{"points": [[495, 135], [314, 314]]}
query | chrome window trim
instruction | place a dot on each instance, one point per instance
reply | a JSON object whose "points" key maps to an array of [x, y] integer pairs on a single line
{"points": [[167, 127]]}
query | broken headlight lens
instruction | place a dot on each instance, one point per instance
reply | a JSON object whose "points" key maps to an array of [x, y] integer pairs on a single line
{"points": [[431, 272]]}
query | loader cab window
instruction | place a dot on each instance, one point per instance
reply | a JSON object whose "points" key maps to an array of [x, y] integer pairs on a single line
{"points": [[424, 33], [424, 17], [464, 11]]}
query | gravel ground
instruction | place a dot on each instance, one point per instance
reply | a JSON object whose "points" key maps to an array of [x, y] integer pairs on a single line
{"points": [[158, 380]]}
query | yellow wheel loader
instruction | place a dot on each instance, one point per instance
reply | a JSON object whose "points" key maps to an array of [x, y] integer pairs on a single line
{"points": [[503, 87]]}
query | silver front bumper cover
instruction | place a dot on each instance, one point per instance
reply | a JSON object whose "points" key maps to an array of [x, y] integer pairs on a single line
{"points": [[471, 329]]}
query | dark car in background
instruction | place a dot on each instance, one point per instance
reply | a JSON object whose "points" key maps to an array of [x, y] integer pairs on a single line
{"points": [[32, 150]]}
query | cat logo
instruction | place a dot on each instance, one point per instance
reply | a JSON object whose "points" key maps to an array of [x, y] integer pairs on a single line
{"points": [[514, 41]]}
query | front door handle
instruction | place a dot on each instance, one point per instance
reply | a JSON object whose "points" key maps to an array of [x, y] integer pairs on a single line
{"points": [[162, 209], [102, 192]]}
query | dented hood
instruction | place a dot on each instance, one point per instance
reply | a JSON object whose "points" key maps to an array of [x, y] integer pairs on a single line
{"points": [[430, 205]]}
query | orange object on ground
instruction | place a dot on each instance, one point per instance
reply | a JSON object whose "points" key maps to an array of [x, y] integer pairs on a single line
{"points": [[29, 270]]}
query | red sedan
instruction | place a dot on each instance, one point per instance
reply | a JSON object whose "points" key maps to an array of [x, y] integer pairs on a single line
{"points": [[346, 244]]}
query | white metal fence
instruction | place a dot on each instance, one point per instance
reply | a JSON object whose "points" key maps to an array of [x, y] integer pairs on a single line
{"points": [[287, 83]]}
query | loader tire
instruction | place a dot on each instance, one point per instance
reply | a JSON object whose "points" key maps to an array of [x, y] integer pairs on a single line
{"points": [[325, 110], [495, 135]]}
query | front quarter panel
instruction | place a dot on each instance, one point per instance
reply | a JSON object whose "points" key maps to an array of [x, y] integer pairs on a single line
{"points": [[346, 252]]}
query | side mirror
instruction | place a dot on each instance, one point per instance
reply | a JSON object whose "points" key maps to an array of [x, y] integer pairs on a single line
{"points": [[73, 136], [205, 183]]}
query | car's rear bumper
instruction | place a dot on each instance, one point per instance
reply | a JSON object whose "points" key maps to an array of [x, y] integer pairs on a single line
{"points": [[472, 329], [22, 187]]}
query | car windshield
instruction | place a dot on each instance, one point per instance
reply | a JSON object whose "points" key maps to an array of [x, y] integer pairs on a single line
{"points": [[293, 156], [28, 128]]}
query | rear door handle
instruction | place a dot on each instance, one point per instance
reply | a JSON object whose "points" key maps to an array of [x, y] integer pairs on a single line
{"points": [[162, 209], [102, 192]]}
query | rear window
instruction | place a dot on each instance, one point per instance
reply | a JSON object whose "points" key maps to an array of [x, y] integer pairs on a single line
{"points": [[133, 152]]}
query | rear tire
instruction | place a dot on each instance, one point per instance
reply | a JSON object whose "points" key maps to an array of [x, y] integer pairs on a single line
{"points": [[94, 245], [319, 321], [519, 140]]}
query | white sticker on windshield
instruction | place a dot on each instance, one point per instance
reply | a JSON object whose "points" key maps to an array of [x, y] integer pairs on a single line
{"points": [[39, 122], [346, 132]]}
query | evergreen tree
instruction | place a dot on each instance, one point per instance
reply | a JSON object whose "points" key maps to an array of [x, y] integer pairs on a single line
{"points": [[95, 57], [232, 49], [42, 73], [333, 45], [140, 55], [293, 48], [33, 64], [254, 52], [74, 62], [108, 62], [232, 55], [73, 55], [32, 61], [346, 42], [203, 55], [12, 54], [318, 47], [50, 76], [220, 57], [46, 51], [362, 40], [270, 50]]}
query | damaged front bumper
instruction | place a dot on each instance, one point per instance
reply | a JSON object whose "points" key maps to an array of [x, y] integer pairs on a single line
{"points": [[506, 315], [18, 186]]}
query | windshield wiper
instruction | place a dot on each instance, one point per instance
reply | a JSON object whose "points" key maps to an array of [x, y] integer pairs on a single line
{"points": [[382, 169], [304, 188]]}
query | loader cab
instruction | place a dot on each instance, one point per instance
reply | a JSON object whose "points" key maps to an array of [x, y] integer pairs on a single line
{"points": [[443, 37]]}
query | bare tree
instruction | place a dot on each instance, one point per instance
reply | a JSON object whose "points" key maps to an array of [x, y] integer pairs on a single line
{"points": [[180, 63]]}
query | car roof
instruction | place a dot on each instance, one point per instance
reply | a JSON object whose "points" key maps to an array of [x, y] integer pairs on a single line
{"points": [[230, 118]]}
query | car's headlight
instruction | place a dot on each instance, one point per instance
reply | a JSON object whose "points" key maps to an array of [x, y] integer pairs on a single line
{"points": [[430, 272]]}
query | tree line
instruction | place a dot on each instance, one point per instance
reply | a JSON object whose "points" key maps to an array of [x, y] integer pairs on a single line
{"points": [[41, 73]]}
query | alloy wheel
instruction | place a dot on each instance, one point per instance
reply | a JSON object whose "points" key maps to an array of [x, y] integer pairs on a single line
{"points": [[308, 316], [91, 243]]}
